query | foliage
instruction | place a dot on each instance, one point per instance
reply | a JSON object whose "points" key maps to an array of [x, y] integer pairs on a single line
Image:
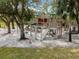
{"points": [[54, 9], [71, 8], [67, 7], [18, 10], [29, 14]]}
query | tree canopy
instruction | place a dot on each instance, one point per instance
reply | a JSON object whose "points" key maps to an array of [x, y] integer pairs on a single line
{"points": [[69, 8], [18, 10]]}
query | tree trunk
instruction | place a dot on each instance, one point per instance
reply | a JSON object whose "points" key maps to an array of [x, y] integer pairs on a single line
{"points": [[21, 27], [70, 39], [13, 27], [8, 27], [77, 23], [22, 35], [77, 20], [78, 28]]}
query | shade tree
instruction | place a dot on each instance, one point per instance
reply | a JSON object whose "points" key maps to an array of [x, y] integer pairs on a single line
{"points": [[69, 8], [18, 11]]}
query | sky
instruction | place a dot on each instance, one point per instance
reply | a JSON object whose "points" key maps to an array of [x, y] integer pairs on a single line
{"points": [[39, 7], [44, 1]]}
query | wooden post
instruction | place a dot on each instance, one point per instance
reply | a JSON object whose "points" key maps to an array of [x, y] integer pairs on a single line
{"points": [[70, 39]]}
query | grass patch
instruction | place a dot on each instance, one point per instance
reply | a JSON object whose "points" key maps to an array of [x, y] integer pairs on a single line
{"points": [[2, 24], [38, 53]]}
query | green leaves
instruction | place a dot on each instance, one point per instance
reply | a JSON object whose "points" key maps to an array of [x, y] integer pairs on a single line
{"points": [[28, 14], [5, 7], [64, 16], [67, 6]]}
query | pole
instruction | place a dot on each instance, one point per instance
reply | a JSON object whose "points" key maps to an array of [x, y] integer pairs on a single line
{"points": [[70, 39]]}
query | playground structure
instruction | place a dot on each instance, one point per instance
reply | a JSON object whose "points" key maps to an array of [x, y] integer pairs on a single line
{"points": [[42, 27]]}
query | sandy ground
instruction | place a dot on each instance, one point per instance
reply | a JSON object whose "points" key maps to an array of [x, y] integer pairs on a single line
{"points": [[12, 40]]}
